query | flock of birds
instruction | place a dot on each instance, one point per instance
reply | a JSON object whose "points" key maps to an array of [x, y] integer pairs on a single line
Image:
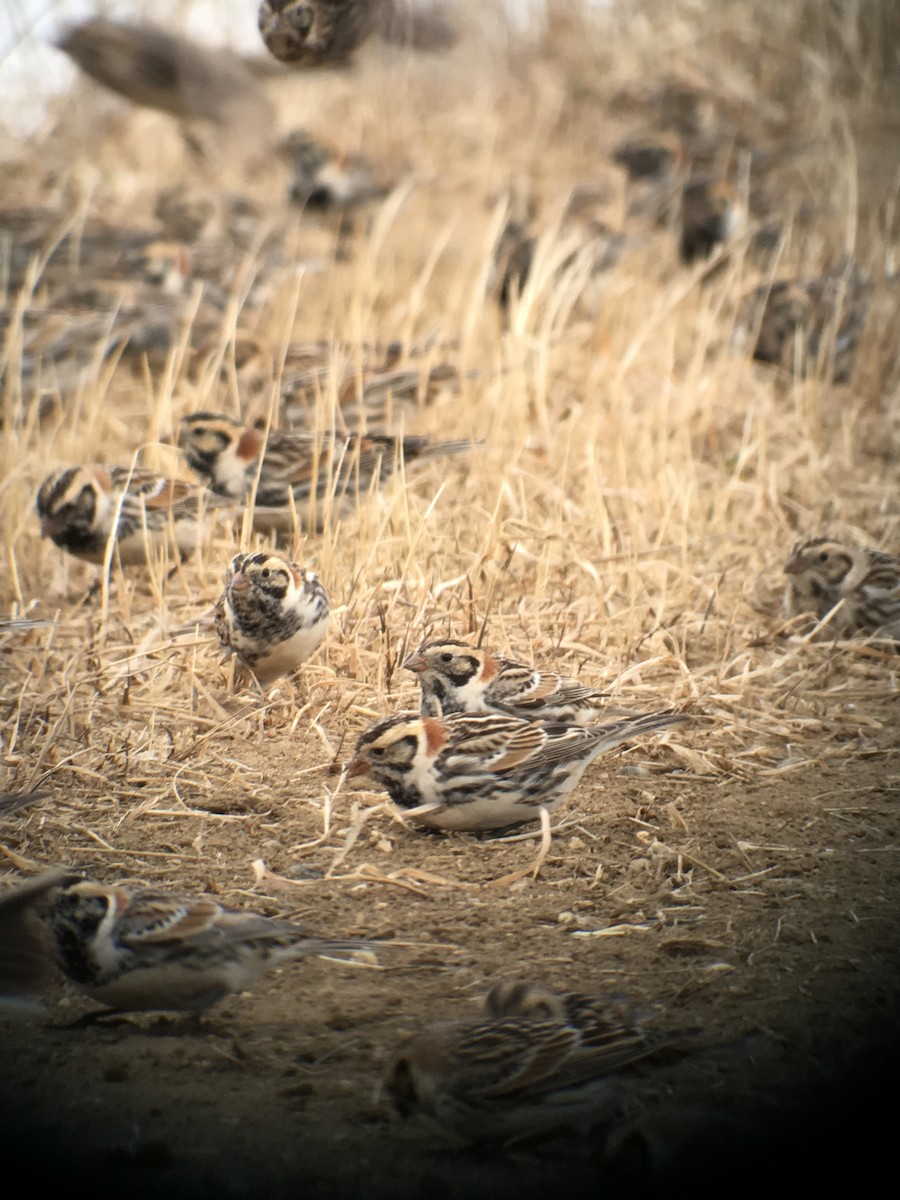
{"points": [[496, 742]]}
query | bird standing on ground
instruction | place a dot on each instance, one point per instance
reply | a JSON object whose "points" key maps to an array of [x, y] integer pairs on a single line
{"points": [[457, 677], [137, 950], [81, 508], [479, 771], [824, 574], [537, 1061], [272, 614], [290, 469], [807, 324]]}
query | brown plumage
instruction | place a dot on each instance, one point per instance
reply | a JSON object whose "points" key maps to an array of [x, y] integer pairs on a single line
{"points": [[158, 69], [321, 33]]}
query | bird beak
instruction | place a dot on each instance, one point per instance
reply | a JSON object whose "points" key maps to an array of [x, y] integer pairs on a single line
{"points": [[793, 567], [356, 766], [49, 527], [240, 582], [167, 439], [416, 662]]}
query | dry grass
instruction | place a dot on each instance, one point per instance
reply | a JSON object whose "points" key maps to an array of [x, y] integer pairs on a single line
{"points": [[639, 486], [626, 520]]}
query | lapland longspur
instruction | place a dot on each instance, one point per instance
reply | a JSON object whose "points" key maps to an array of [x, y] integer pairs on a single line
{"points": [[296, 467], [516, 1073], [272, 614], [26, 963], [456, 677], [139, 950], [325, 178], [712, 213], [477, 771], [806, 324], [316, 33], [81, 508], [860, 587], [162, 70]]}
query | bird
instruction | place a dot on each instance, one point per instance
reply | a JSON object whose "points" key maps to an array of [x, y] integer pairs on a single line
{"points": [[63, 247], [712, 213], [272, 614], [582, 241], [808, 325], [294, 469], [481, 771], [512, 1074], [325, 178], [136, 949], [26, 956], [82, 507], [852, 589], [456, 677], [157, 69], [536, 1001], [322, 33]]}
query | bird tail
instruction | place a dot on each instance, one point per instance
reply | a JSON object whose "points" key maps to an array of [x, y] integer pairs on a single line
{"points": [[628, 728], [423, 448]]}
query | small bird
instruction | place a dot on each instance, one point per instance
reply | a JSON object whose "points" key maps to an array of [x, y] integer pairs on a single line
{"points": [[137, 950], [712, 213], [456, 677], [537, 1002], [81, 508], [517, 1072], [153, 67], [272, 614], [479, 771], [858, 590], [806, 324], [296, 467], [319, 33], [26, 954], [326, 179]]}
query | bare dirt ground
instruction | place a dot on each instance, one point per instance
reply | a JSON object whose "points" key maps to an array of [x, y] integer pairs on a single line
{"points": [[626, 521]]}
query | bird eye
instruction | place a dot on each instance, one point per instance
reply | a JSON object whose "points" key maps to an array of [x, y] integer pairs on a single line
{"points": [[265, 573], [446, 658], [824, 556], [376, 751], [200, 430]]}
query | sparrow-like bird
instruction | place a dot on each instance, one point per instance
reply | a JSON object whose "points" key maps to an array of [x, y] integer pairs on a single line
{"points": [[296, 467], [860, 587], [138, 950], [272, 614], [325, 178], [151, 66], [321, 33], [712, 213], [537, 1002], [81, 508], [806, 324], [513, 1074], [477, 771], [26, 953], [456, 677]]}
